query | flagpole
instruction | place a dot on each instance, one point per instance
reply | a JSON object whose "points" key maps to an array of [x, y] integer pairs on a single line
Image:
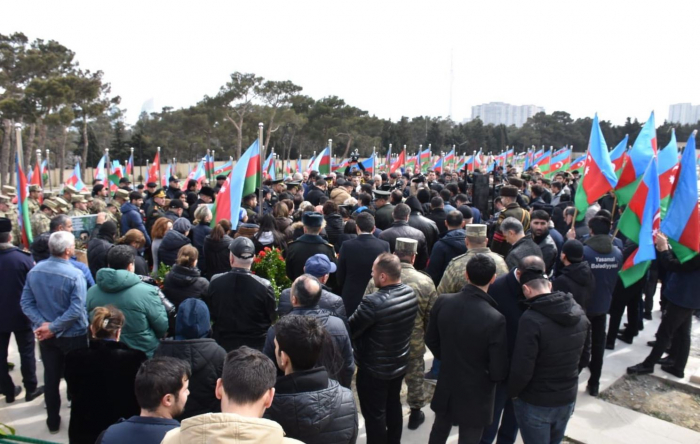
{"points": [[133, 176], [213, 166], [109, 171], [404, 159], [430, 155], [48, 166], [454, 157], [38, 162], [260, 160], [159, 181], [330, 155]]}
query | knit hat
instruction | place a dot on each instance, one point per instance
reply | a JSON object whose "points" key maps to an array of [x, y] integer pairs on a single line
{"points": [[573, 250], [109, 229], [182, 225], [192, 320]]}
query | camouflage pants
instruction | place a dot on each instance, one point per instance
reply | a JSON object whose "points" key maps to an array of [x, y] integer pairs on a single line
{"points": [[415, 372]]}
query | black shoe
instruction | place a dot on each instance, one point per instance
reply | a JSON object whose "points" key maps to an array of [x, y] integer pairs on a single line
{"points": [[624, 332], [647, 316], [639, 369], [666, 361], [430, 378], [593, 390], [674, 371], [31, 396], [11, 398], [54, 429], [415, 419], [609, 346], [651, 343], [622, 337]]}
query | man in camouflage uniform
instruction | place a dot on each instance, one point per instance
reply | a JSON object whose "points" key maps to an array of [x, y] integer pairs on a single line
{"points": [[454, 279], [79, 206], [100, 193], [424, 288], [68, 193], [41, 220], [63, 206], [88, 202], [509, 195], [7, 211], [33, 201]]}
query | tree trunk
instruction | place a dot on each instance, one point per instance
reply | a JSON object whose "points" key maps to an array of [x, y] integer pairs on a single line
{"points": [[62, 156], [13, 153], [347, 146], [269, 127], [29, 149], [239, 145], [85, 145], [5, 153]]}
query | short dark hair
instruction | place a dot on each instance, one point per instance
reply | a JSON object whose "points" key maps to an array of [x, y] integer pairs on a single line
{"points": [[57, 221], [4, 237], [401, 212], [537, 190], [330, 207], [121, 256], [437, 202], [604, 213], [300, 337], [320, 183], [135, 195], [454, 219], [158, 377], [461, 198], [390, 265], [599, 225], [481, 268], [396, 197], [531, 262], [539, 215], [557, 185], [307, 290], [446, 195], [247, 375], [364, 199], [365, 222]]}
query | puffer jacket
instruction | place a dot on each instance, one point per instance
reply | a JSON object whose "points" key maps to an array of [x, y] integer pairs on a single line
{"points": [[146, 318], [169, 247], [184, 282], [549, 250], [522, 248], [553, 344], [314, 409], [339, 195], [578, 280], [403, 229], [282, 223], [422, 223], [131, 218], [216, 256], [227, 428], [97, 250], [193, 344], [334, 228], [381, 329], [447, 248]]}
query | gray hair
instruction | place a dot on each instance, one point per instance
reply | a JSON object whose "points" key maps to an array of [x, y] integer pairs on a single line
{"points": [[242, 263], [298, 176], [202, 213], [60, 242], [511, 224]]}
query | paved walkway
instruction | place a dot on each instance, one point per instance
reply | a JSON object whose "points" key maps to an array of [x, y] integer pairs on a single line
{"points": [[594, 421]]}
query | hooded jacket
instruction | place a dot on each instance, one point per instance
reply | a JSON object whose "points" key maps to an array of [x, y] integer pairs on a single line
{"points": [[314, 409], [553, 344], [227, 428], [146, 319], [169, 247], [131, 218], [422, 223], [193, 344], [184, 282], [447, 248], [334, 228], [216, 256], [97, 250], [339, 195], [576, 279], [605, 261]]}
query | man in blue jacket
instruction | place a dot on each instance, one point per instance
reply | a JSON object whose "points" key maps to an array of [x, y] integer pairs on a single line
{"points": [[131, 216], [448, 247], [682, 299], [605, 260]]}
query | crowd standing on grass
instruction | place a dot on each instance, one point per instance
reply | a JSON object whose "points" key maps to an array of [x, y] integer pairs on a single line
{"points": [[381, 268]]}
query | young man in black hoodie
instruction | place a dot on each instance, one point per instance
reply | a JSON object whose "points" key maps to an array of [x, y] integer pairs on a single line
{"points": [[552, 346], [576, 277]]}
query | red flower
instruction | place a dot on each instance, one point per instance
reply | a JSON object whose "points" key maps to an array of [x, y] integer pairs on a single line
{"points": [[257, 260], [262, 254], [266, 249]]}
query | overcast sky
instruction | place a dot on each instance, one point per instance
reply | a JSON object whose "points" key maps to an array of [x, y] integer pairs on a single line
{"points": [[620, 58]]}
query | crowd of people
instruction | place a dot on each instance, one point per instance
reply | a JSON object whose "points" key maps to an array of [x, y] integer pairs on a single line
{"points": [[512, 299]]}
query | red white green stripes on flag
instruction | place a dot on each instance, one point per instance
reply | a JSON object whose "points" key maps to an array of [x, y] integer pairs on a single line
{"points": [[598, 174], [638, 158], [668, 168], [322, 162], [618, 156], [244, 179], [23, 206], [640, 223]]}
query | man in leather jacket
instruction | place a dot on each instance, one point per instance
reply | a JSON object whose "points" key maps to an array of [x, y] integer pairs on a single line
{"points": [[381, 328], [401, 228]]}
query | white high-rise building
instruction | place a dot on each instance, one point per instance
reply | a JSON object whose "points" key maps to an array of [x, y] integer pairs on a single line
{"points": [[497, 113], [684, 113]]}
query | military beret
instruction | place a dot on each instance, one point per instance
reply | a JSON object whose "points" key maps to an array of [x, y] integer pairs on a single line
{"points": [[475, 230], [312, 219], [406, 245]]}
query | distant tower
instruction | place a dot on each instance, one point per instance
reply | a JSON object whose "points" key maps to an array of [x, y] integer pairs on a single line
{"points": [[452, 78]]}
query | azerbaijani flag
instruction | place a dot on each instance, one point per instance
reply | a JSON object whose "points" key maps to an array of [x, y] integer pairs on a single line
{"points": [[198, 174], [449, 157], [528, 160], [74, 180], [343, 164], [322, 162], [437, 166], [130, 165], [640, 223], [682, 221], [398, 163], [288, 168], [559, 162], [154, 170], [225, 168], [298, 164], [209, 165], [243, 180], [100, 172], [267, 163], [579, 163], [618, 156], [668, 167], [411, 163], [368, 163], [44, 171], [424, 160], [642, 151], [23, 220], [598, 176], [543, 161]]}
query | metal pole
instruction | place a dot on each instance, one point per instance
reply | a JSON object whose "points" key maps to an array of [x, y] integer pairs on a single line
{"points": [[420, 151], [109, 170], [261, 158], [133, 176], [158, 181], [213, 167], [48, 166], [18, 139], [330, 154], [38, 162]]}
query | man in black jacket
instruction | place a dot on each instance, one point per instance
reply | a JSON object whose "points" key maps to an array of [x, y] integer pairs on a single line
{"points": [[539, 230], [401, 228], [242, 305], [305, 301], [438, 214], [355, 262], [309, 405], [576, 277], [316, 192], [470, 369], [422, 223], [552, 346], [522, 244], [307, 245], [381, 328]]}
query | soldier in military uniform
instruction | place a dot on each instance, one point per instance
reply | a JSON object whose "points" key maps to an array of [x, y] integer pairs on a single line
{"points": [[33, 201], [383, 214], [454, 279], [7, 211], [41, 220], [424, 288], [68, 192], [79, 206], [63, 206], [88, 202], [99, 203], [155, 210], [509, 195], [278, 188]]}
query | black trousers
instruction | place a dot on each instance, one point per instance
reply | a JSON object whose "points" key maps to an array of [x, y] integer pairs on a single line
{"points": [[676, 323], [650, 289], [597, 347], [625, 298], [25, 345], [53, 354], [441, 431], [380, 403]]}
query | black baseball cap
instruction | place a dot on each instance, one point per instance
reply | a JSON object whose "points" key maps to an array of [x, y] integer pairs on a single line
{"points": [[242, 247]]}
